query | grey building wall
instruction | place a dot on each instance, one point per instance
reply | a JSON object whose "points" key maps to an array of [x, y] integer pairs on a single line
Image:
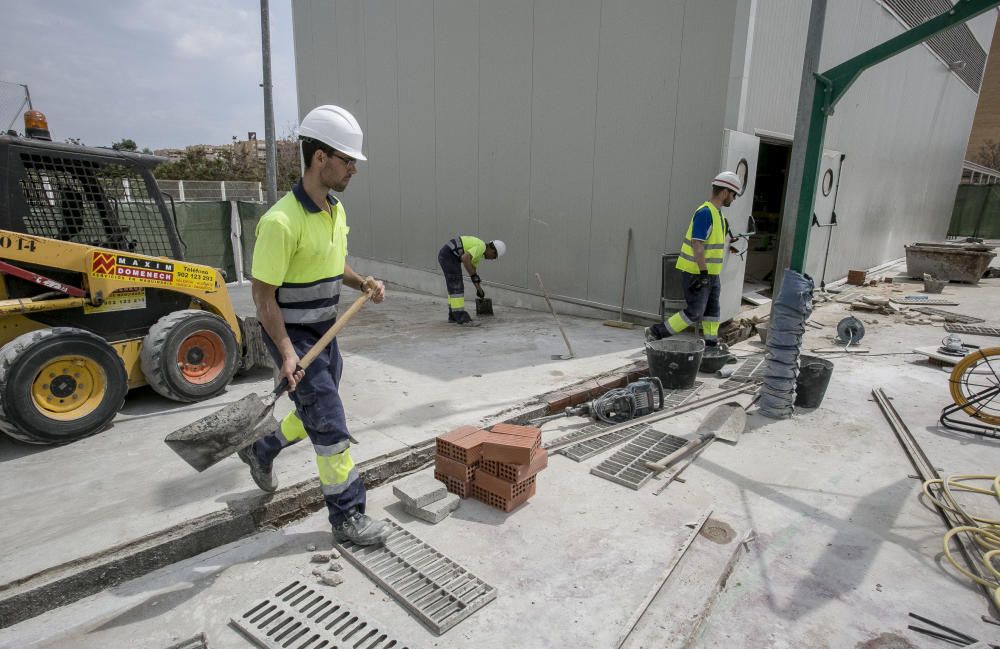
{"points": [[903, 127], [552, 124], [557, 124]]}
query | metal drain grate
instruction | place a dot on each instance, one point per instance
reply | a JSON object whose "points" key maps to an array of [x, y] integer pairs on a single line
{"points": [[438, 591], [300, 617], [949, 316], [920, 299], [972, 330], [671, 399], [628, 466], [751, 370], [592, 447]]}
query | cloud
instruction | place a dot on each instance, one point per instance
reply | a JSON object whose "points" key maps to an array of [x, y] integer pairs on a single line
{"points": [[164, 74]]}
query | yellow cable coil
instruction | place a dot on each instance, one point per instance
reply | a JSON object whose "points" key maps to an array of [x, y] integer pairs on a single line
{"points": [[985, 532]]}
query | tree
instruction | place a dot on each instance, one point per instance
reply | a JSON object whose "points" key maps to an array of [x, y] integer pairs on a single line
{"points": [[989, 154], [125, 144]]}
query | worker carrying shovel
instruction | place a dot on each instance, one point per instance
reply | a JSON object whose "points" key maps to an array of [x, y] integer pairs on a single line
{"points": [[468, 252], [700, 262], [299, 264]]}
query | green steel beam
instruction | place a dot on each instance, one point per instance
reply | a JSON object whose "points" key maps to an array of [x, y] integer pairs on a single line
{"points": [[831, 86]]}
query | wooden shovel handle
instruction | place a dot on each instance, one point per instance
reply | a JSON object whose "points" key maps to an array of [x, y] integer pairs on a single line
{"points": [[328, 337], [332, 332], [680, 453]]}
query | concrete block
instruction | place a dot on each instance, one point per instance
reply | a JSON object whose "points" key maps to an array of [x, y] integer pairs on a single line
{"points": [[436, 511], [419, 490]]}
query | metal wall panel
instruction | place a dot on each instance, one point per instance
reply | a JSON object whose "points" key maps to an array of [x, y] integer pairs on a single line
{"points": [[505, 53], [557, 124], [638, 88], [418, 230], [563, 113], [903, 127], [456, 110], [382, 133]]}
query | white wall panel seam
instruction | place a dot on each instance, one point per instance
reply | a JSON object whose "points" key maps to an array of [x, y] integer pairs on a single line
{"points": [[673, 149], [593, 172]]}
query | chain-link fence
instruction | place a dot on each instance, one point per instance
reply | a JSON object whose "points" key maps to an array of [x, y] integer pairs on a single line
{"points": [[212, 190], [13, 102]]}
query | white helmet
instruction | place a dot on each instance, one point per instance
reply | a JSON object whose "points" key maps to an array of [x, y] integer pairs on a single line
{"points": [[336, 127], [729, 180], [500, 246]]}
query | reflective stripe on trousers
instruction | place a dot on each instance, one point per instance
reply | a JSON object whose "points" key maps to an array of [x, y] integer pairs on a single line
{"points": [[451, 266], [701, 304], [319, 415]]}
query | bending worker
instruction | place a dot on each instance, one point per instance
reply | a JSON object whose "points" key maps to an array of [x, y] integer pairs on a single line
{"points": [[468, 252], [702, 255], [299, 264]]}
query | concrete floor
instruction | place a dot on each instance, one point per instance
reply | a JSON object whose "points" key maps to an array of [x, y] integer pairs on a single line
{"points": [[843, 550], [409, 376]]}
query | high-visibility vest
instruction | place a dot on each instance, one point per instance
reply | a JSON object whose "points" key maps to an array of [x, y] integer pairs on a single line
{"points": [[715, 245]]}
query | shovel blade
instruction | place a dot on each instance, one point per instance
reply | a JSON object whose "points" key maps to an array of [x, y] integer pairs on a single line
{"points": [[484, 306], [220, 434], [726, 422]]}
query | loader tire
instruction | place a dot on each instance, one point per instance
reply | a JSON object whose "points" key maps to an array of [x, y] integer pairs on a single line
{"points": [[59, 385], [189, 355]]}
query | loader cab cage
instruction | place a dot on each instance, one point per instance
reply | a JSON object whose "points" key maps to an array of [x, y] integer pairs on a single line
{"points": [[90, 196]]}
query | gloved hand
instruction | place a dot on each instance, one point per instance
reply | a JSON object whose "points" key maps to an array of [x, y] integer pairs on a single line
{"points": [[480, 293], [703, 279]]}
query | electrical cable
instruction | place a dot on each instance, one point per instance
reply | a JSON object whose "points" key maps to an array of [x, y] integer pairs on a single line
{"points": [[983, 531]]}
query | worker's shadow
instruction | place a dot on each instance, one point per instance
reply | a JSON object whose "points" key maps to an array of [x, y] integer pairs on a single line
{"points": [[192, 580]]}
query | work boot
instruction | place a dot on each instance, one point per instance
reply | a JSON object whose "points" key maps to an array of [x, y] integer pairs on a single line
{"points": [[462, 318], [360, 529], [263, 476]]}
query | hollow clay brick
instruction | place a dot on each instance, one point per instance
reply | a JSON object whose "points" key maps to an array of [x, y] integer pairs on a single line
{"points": [[457, 487], [453, 469], [503, 504], [516, 472]]}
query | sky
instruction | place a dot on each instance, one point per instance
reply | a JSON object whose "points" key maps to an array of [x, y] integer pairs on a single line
{"points": [[165, 73]]}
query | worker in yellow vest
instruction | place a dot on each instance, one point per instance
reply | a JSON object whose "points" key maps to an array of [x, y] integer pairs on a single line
{"points": [[700, 262], [465, 251]]}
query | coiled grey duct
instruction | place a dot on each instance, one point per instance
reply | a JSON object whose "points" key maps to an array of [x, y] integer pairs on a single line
{"points": [[784, 341]]}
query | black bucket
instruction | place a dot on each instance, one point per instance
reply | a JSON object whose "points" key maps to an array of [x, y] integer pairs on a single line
{"points": [[814, 377], [675, 361]]}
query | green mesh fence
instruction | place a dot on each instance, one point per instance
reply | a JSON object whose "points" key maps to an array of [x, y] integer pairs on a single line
{"points": [[205, 229], [977, 212]]}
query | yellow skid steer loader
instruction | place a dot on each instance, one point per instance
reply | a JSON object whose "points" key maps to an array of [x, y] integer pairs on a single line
{"points": [[95, 295]]}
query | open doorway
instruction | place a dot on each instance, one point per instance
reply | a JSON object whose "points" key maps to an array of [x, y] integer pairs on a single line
{"points": [[768, 206]]}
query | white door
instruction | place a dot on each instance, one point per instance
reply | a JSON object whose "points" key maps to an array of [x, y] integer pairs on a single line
{"points": [[739, 154], [826, 198]]}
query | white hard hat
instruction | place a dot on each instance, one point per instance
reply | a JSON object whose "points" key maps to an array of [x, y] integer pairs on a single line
{"points": [[500, 246], [729, 180], [334, 126]]}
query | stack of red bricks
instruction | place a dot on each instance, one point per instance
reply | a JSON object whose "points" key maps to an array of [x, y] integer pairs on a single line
{"points": [[497, 466]]}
